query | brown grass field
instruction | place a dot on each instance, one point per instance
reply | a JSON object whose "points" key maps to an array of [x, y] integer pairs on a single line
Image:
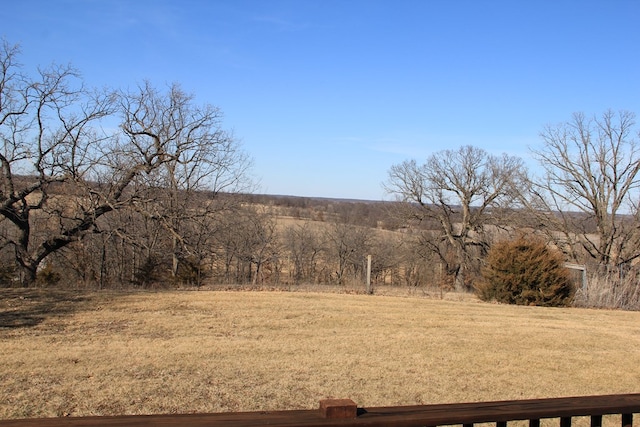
{"points": [[65, 354]]}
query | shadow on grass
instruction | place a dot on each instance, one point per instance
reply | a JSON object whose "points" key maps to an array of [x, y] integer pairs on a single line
{"points": [[23, 308]]}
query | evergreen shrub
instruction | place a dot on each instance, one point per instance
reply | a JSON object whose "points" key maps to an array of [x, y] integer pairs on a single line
{"points": [[525, 271]]}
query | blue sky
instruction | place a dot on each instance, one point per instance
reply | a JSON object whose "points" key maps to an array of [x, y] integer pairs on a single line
{"points": [[326, 95]]}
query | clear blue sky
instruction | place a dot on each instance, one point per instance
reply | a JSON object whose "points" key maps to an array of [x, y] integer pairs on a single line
{"points": [[326, 95]]}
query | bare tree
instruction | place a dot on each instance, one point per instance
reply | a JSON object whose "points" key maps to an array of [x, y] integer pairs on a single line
{"points": [[248, 246], [305, 247], [589, 192], [49, 136], [348, 246], [461, 190], [198, 155], [61, 171]]}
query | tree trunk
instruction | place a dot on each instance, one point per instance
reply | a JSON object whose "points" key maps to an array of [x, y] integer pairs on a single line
{"points": [[458, 282], [459, 274], [28, 274], [174, 257]]}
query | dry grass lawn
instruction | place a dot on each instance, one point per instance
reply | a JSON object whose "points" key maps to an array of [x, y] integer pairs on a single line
{"points": [[178, 352]]}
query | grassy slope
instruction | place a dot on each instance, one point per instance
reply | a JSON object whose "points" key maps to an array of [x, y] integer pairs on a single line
{"points": [[228, 351]]}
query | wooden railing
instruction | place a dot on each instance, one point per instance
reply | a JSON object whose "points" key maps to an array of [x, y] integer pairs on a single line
{"points": [[344, 412]]}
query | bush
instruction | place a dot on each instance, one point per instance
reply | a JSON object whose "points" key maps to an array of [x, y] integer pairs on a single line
{"points": [[526, 272], [151, 273], [48, 276]]}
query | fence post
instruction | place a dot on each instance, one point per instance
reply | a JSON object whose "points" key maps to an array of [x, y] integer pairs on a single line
{"points": [[369, 289]]}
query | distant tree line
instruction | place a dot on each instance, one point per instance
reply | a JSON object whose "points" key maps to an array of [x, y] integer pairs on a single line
{"points": [[145, 188]]}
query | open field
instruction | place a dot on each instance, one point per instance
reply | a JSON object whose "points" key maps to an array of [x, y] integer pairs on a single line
{"points": [[177, 352]]}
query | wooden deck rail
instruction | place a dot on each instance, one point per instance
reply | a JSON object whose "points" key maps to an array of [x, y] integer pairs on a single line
{"points": [[343, 412]]}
